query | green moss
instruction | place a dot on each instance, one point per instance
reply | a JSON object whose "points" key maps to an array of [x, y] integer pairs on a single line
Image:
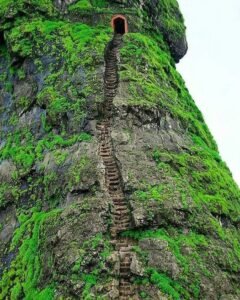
{"points": [[81, 5], [206, 178], [23, 150], [8, 192], [12, 7], [145, 59], [21, 279], [100, 244], [192, 264], [77, 170], [71, 85], [152, 193], [172, 19]]}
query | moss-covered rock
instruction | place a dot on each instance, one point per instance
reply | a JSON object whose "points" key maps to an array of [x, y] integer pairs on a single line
{"points": [[56, 213]]}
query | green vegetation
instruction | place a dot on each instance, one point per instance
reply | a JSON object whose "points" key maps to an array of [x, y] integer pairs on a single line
{"points": [[12, 7], [191, 263], [172, 20], [81, 5], [145, 59], [60, 59], [102, 246], [21, 280], [23, 150], [206, 178]]}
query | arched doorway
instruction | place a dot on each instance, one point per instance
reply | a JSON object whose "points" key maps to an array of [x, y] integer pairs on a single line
{"points": [[119, 24]]}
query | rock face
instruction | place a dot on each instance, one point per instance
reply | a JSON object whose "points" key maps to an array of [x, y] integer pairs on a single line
{"points": [[111, 185]]}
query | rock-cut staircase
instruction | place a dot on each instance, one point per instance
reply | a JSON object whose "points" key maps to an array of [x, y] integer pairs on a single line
{"points": [[113, 178]]}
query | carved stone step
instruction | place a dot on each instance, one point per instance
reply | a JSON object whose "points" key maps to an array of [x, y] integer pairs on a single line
{"points": [[121, 211], [125, 294], [113, 176], [119, 201], [114, 182], [105, 154]]}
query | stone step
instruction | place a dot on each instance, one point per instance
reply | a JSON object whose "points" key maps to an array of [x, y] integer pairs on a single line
{"points": [[122, 228], [104, 150], [120, 212], [125, 264], [123, 217], [114, 188], [125, 274], [119, 201], [105, 145], [125, 293], [113, 176], [120, 205], [126, 250], [105, 153], [114, 182], [110, 163], [119, 221]]}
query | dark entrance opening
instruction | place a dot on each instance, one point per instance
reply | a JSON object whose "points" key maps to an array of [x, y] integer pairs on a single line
{"points": [[119, 26], [1, 38]]}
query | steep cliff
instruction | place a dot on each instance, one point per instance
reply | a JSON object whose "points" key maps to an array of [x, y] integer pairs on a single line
{"points": [[111, 185]]}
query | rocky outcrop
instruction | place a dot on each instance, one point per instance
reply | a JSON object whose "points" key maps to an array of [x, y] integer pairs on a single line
{"points": [[174, 31], [111, 185]]}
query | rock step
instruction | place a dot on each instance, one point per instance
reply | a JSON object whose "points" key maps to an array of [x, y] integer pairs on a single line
{"points": [[111, 168], [125, 293], [114, 188], [118, 197], [106, 146], [125, 270], [125, 274], [111, 83], [114, 182], [121, 225], [121, 244], [121, 228], [120, 205], [111, 163], [105, 154], [120, 202], [103, 125], [122, 211], [122, 218], [126, 250], [107, 151], [112, 171], [113, 176], [126, 262]]}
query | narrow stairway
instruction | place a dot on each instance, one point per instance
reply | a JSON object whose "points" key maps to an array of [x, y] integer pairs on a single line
{"points": [[113, 178]]}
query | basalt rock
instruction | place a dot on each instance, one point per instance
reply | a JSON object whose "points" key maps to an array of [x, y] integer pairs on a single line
{"points": [[111, 185]]}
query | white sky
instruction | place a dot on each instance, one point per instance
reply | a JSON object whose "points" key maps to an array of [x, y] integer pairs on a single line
{"points": [[211, 70]]}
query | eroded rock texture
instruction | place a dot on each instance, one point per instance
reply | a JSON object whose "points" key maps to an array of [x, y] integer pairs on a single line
{"points": [[111, 187]]}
